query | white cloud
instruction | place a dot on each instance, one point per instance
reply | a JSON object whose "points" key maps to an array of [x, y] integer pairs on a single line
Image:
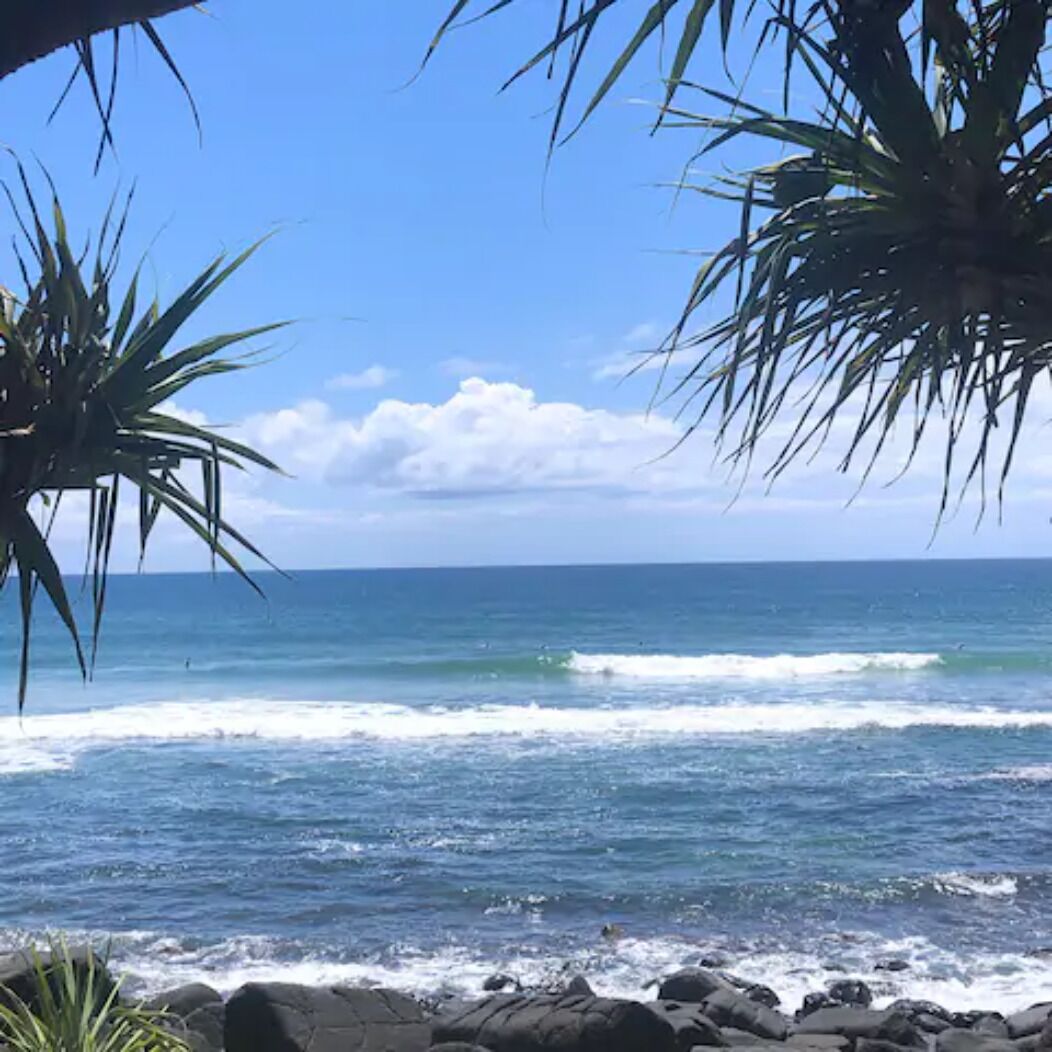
{"points": [[488, 438], [461, 368], [635, 352], [368, 379], [188, 416]]}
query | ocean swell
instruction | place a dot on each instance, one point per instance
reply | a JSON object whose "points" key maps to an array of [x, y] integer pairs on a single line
{"points": [[745, 666], [45, 742]]}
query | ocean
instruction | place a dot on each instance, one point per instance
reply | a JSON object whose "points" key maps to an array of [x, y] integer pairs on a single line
{"points": [[420, 777]]}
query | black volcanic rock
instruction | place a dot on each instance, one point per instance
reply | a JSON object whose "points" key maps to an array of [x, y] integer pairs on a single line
{"points": [[729, 1008], [851, 992], [284, 1017], [693, 1028], [547, 1023], [691, 984], [1030, 1021]]}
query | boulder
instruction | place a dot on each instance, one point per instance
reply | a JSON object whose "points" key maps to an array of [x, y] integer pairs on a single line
{"points": [[1031, 1021], [966, 1020], [693, 1028], [814, 1001], [992, 1024], [18, 973], [740, 1038], [285, 1017], [763, 995], [877, 1044], [457, 1046], [495, 983], [896, 964], [691, 984], [575, 1023], [930, 1024], [579, 985], [913, 1009], [957, 1040], [727, 1007], [1028, 1044], [825, 1042], [1045, 1041], [856, 1023], [199, 1012], [851, 992]]}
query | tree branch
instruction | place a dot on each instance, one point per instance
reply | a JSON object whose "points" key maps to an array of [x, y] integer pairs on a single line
{"points": [[35, 28]]}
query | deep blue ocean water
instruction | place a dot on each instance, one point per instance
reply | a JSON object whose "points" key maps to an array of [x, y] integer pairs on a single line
{"points": [[420, 777]]}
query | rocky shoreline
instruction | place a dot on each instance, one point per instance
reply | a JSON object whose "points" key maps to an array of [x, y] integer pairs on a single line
{"points": [[695, 1010]]}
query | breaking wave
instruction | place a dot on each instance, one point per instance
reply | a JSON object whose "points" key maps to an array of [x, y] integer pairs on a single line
{"points": [[744, 666]]}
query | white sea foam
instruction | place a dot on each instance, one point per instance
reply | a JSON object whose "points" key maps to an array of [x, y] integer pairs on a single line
{"points": [[1036, 773], [745, 666], [627, 968], [977, 885], [50, 742]]}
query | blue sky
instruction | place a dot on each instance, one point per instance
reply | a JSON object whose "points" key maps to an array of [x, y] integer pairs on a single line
{"points": [[450, 392]]}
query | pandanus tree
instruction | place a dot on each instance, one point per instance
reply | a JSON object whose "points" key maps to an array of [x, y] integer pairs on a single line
{"points": [[88, 374], [892, 268]]}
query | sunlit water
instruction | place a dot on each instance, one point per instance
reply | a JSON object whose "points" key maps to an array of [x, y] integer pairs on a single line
{"points": [[420, 777]]}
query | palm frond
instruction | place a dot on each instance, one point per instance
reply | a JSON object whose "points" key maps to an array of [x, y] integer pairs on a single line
{"points": [[82, 394], [899, 274]]}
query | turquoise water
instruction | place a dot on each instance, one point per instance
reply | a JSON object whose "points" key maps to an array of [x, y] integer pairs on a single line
{"points": [[418, 777]]}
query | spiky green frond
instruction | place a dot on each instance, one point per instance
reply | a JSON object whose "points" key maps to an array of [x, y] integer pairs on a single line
{"points": [[904, 271], [77, 1008], [82, 407]]}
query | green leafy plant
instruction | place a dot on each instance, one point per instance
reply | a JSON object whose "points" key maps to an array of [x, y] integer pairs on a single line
{"points": [[83, 391], [77, 1008], [892, 264]]}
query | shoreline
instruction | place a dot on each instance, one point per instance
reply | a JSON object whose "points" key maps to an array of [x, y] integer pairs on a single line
{"points": [[701, 1006], [623, 967]]}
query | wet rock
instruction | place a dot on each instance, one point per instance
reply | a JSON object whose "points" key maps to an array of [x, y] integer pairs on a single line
{"points": [[814, 1001], [966, 1020], [851, 992], [1030, 1021], [992, 1024], [199, 1012], [763, 995], [896, 964], [579, 985], [457, 1046], [691, 984], [499, 981], [693, 1028], [825, 1042], [714, 961], [740, 1038], [853, 1022], [913, 1009], [957, 1040], [876, 1044], [1031, 1043], [517, 1023], [285, 1017], [1044, 1041], [729, 1008]]}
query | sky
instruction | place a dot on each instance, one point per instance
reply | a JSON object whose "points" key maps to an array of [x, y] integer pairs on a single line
{"points": [[453, 389]]}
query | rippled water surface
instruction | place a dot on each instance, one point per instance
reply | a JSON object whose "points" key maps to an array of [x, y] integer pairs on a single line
{"points": [[417, 777]]}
